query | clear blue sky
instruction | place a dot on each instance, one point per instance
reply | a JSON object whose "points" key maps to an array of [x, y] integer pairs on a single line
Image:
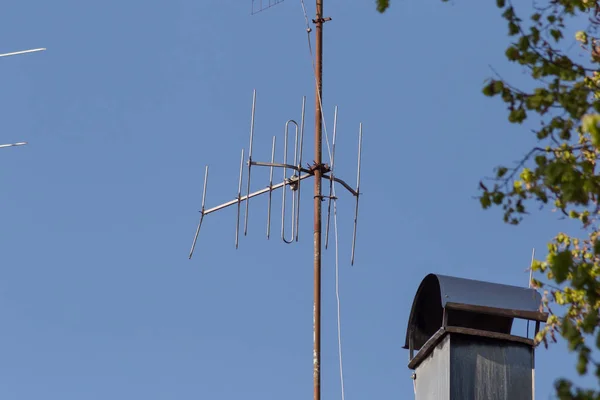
{"points": [[97, 297]]}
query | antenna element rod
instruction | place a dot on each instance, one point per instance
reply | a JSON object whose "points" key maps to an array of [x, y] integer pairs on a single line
{"points": [[239, 201], [300, 163], [201, 213], [331, 177], [360, 134], [250, 161], [270, 190]]}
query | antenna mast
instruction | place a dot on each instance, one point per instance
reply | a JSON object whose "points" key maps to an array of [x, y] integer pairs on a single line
{"points": [[318, 170]]}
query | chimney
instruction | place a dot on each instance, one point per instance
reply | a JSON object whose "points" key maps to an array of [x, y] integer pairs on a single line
{"points": [[460, 330]]}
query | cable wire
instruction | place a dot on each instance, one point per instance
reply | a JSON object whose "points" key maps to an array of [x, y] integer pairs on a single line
{"points": [[337, 294], [312, 59]]}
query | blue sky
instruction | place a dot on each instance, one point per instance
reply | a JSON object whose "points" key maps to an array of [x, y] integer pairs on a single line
{"points": [[97, 297]]}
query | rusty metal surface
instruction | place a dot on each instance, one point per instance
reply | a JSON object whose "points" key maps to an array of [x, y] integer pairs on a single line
{"points": [[317, 202], [437, 290]]}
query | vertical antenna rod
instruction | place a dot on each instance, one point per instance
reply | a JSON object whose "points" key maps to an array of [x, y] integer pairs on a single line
{"points": [[530, 278], [239, 201], [331, 177], [317, 201], [250, 161], [201, 214], [357, 193], [270, 190]]}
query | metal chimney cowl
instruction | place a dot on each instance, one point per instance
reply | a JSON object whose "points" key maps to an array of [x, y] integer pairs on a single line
{"points": [[461, 330]]}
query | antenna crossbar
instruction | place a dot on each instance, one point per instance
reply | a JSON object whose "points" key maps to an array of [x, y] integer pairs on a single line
{"points": [[254, 194]]}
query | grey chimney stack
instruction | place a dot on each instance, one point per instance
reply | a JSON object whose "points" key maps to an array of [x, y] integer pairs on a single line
{"points": [[460, 330]]}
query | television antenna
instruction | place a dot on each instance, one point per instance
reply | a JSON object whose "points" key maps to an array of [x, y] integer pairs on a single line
{"points": [[262, 5], [317, 170], [16, 53]]}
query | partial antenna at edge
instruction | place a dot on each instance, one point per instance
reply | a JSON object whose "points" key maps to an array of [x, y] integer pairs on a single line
{"points": [[13, 144], [262, 5], [16, 53]]}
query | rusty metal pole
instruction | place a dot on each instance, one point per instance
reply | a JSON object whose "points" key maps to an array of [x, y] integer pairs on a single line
{"points": [[317, 202]]}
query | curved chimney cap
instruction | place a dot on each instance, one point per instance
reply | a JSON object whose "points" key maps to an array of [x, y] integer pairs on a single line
{"points": [[439, 292]]}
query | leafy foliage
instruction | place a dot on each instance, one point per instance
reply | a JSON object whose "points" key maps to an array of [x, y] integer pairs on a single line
{"points": [[561, 171]]}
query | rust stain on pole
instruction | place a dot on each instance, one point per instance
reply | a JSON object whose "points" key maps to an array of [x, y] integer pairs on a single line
{"points": [[317, 202]]}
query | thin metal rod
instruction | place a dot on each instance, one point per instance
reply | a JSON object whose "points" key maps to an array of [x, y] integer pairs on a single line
{"points": [[294, 205], [196, 235], [529, 283], [239, 201], [13, 144], [290, 166], [331, 177], [300, 165], [341, 182], [270, 189], [254, 194], [204, 187], [531, 267], [285, 157], [15, 53], [201, 213], [280, 165], [317, 201], [360, 133], [250, 160]]}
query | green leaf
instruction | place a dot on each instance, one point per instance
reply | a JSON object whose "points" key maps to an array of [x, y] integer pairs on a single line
{"points": [[517, 116], [597, 247], [382, 5], [500, 3], [512, 53], [498, 86], [489, 89], [485, 201], [561, 263], [590, 124], [556, 34]]}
